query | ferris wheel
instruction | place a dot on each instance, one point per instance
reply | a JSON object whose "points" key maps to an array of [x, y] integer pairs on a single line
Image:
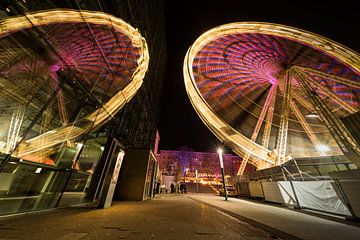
{"points": [[273, 92], [64, 73]]}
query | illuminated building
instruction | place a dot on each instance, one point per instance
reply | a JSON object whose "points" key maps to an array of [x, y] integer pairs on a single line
{"points": [[184, 162]]}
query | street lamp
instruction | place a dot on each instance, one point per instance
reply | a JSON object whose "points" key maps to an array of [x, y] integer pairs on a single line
{"points": [[196, 177], [220, 151]]}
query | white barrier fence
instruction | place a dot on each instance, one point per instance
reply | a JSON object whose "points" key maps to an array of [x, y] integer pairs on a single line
{"points": [[324, 195]]}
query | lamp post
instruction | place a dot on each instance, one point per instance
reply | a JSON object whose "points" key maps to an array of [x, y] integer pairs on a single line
{"points": [[222, 171], [196, 177]]}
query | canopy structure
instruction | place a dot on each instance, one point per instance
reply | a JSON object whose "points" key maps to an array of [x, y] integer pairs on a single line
{"points": [[64, 73], [272, 92]]}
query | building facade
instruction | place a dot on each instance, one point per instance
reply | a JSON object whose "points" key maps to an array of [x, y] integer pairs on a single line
{"points": [[184, 163], [58, 76]]}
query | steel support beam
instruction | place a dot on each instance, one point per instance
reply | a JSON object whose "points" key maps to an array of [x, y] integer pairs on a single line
{"points": [[337, 129], [14, 129], [305, 103], [269, 99], [305, 125], [269, 120], [335, 78], [60, 100], [329, 93], [284, 120]]}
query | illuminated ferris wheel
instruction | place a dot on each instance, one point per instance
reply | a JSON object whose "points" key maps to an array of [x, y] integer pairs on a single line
{"points": [[273, 92], [64, 73]]}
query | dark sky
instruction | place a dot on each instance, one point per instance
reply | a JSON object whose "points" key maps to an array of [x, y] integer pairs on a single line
{"points": [[186, 20]]}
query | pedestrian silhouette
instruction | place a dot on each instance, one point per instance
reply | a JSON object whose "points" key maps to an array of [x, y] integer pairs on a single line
{"points": [[172, 188], [182, 188]]}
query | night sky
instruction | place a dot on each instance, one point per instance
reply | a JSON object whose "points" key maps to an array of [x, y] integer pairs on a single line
{"points": [[186, 20]]}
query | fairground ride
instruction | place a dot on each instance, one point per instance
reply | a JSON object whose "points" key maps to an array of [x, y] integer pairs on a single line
{"points": [[63, 74], [273, 93]]}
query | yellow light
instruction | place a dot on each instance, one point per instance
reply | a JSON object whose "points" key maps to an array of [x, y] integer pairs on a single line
{"points": [[239, 143], [220, 151], [114, 104], [324, 148]]}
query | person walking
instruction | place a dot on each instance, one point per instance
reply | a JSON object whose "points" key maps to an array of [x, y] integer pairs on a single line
{"points": [[182, 188], [172, 188]]}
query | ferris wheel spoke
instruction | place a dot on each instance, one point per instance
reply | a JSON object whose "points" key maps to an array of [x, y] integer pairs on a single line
{"points": [[328, 93], [329, 76], [269, 120], [264, 110], [259, 123], [13, 91], [244, 163]]}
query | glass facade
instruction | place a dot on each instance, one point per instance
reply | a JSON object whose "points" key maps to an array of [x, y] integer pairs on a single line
{"points": [[62, 79], [27, 186]]}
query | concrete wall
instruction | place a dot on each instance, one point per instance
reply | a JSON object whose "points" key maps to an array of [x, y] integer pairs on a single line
{"points": [[131, 181]]}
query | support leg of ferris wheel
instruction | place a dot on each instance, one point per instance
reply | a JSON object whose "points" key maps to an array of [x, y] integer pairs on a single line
{"points": [[17, 119], [304, 124], [329, 93], [267, 129], [336, 128], [44, 125], [329, 76], [300, 99], [284, 119], [268, 101], [61, 105], [307, 128], [60, 100]]}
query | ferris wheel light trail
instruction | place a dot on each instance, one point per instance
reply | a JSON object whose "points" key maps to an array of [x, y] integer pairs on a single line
{"points": [[102, 54], [230, 72], [330, 94], [329, 76], [265, 109]]}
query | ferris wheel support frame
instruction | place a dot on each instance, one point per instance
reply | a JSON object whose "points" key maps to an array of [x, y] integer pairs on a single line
{"points": [[300, 99], [329, 93], [284, 119], [304, 123], [336, 128], [268, 103], [335, 78]]}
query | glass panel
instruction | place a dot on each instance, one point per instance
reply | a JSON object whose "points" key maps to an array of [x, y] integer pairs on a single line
{"points": [[27, 186], [21, 186], [149, 177], [79, 182]]}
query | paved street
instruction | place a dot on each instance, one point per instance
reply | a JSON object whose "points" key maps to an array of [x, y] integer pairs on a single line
{"points": [[165, 217], [275, 218], [175, 216]]}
